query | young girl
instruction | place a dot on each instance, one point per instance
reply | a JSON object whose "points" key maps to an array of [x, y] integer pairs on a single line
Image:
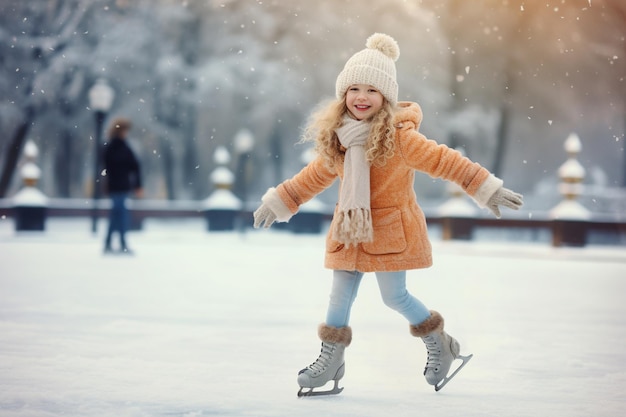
{"points": [[372, 143]]}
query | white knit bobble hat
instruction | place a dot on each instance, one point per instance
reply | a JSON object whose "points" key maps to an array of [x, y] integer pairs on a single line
{"points": [[373, 66]]}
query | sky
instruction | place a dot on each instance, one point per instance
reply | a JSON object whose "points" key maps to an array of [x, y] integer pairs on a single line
{"points": [[218, 324]]}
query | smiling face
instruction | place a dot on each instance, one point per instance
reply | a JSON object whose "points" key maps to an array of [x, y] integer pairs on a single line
{"points": [[363, 101]]}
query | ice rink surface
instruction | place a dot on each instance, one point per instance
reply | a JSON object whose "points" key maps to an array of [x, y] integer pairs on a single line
{"points": [[218, 324]]}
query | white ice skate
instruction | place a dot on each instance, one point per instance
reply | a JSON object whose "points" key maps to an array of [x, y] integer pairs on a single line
{"points": [[329, 366], [443, 349]]}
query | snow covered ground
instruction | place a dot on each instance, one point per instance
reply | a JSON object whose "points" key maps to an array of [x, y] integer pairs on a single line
{"points": [[218, 324]]}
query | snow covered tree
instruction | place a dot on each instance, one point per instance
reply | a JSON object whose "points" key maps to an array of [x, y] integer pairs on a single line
{"points": [[546, 68], [34, 40], [505, 79]]}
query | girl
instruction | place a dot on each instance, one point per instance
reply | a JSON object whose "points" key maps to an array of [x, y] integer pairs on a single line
{"points": [[372, 143]]}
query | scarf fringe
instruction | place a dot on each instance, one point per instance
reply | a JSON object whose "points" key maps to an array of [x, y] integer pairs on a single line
{"points": [[353, 226]]}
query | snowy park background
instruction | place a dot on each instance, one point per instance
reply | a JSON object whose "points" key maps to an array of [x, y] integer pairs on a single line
{"points": [[218, 324], [506, 81]]}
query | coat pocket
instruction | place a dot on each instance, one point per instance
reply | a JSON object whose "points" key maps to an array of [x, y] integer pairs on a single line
{"points": [[388, 232], [332, 245]]}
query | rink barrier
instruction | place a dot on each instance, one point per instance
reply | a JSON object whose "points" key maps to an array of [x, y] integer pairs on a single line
{"points": [[573, 233], [540, 228]]}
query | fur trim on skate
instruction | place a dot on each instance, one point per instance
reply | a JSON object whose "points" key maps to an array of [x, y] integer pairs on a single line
{"points": [[331, 334], [431, 324]]}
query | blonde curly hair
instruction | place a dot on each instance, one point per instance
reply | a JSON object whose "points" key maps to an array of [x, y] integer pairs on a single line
{"points": [[323, 122]]}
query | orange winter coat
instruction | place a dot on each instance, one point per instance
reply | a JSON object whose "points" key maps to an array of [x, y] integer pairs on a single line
{"points": [[400, 237]]}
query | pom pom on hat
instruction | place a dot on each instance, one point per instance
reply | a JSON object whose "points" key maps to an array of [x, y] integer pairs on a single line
{"points": [[385, 44], [373, 66]]}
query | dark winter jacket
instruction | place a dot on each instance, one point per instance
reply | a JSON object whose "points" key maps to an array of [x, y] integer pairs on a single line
{"points": [[122, 168]]}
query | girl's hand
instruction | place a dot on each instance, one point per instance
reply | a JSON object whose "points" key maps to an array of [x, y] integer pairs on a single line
{"points": [[264, 216], [504, 197]]}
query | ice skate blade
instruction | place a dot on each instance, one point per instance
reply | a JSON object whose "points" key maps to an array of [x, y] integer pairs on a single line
{"points": [[310, 393], [443, 382]]}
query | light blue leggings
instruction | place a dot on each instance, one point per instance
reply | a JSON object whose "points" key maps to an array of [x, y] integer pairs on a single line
{"points": [[393, 291]]}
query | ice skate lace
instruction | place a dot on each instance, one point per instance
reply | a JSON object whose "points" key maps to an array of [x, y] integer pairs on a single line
{"points": [[434, 353], [323, 361]]}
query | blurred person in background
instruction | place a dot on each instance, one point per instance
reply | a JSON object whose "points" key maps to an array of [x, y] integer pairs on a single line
{"points": [[123, 176]]}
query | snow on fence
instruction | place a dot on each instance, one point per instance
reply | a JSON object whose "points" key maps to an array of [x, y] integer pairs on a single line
{"points": [[524, 225], [569, 223]]}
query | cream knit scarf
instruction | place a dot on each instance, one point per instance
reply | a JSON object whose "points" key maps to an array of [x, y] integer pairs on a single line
{"points": [[353, 222]]}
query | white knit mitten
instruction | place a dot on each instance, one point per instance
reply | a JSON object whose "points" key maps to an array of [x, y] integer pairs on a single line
{"points": [[504, 197], [264, 216]]}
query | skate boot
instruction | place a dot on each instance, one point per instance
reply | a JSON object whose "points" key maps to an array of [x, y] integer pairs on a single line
{"points": [[329, 366], [442, 349]]}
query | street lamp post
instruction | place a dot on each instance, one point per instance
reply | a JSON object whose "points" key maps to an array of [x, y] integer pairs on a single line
{"points": [[244, 143], [100, 99]]}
